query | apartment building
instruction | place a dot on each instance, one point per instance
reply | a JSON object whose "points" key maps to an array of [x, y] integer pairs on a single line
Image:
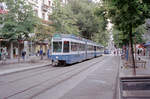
{"points": [[42, 8]]}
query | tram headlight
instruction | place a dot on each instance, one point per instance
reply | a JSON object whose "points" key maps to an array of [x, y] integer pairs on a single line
{"points": [[56, 57]]}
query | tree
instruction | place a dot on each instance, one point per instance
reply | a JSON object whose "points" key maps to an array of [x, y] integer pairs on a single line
{"points": [[88, 20], [80, 18], [43, 32], [121, 39], [63, 19], [19, 22], [127, 15], [147, 28], [103, 34]]}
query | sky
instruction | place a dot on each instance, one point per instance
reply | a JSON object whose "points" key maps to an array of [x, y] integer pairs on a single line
{"points": [[96, 0]]}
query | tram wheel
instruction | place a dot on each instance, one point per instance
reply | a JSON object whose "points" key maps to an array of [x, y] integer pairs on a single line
{"points": [[62, 63], [55, 63]]}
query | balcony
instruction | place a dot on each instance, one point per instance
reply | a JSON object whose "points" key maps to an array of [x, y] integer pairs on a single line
{"points": [[46, 22]]}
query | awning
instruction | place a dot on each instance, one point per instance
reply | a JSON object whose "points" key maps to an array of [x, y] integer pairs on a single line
{"points": [[147, 44], [3, 11]]}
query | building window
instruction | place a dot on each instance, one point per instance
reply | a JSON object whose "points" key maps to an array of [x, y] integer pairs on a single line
{"points": [[36, 12], [43, 14], [49, 3], [43, 1], [1, 6], [49, 17]]}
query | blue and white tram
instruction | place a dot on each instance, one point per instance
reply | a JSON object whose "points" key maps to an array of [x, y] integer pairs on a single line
{"points": [[68, 49]]}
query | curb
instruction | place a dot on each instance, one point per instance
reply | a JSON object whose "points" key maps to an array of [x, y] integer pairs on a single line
{"points": [[5, 72]]}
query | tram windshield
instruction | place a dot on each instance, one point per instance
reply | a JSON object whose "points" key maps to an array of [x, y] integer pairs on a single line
{"points": [[57, 46]]}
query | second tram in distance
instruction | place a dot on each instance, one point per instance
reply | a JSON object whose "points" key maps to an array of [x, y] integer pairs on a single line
{"points": [[69, 49]]}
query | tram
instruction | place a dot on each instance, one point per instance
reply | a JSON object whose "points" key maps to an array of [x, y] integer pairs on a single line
{"points": [[69, 49]]}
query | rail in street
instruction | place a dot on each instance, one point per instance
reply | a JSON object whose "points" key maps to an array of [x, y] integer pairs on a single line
{"points": [[35, 83]]}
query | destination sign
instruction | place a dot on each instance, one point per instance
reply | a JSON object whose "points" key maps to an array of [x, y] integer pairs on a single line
{"points": [[57, 36]]}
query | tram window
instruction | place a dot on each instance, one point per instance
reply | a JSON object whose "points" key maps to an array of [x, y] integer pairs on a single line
{"points": [[94, 48], [82, 47], [98, 48], [57, 46], [74, 46], [66, 46], [90, 47], [77, 46]]}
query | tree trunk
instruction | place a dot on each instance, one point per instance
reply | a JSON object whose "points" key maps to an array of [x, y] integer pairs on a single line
{"points": [[19, 51], [132, 53]]}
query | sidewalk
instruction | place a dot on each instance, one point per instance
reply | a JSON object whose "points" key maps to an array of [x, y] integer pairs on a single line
{"points": [[12, 66], [27, 59], [139, 70], [135, 86]]}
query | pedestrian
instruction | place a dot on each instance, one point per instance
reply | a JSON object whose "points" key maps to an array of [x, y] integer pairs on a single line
{"points": [[117, 52], [0, 55], [4, 55], [23, 55], [41, 54], [114, 52], [138, 52], [48, 54], [38, 52]]}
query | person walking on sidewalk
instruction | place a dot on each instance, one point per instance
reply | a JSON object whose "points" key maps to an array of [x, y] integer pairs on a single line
{"points": [[23, 55], [4, 55], [41, 54], [0, 55]]}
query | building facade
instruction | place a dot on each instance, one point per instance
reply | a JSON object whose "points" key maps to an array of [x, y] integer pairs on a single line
{"points": [[42, 9]]}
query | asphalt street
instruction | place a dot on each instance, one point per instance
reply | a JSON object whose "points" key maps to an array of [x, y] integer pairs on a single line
{"points": [[91, 79]]}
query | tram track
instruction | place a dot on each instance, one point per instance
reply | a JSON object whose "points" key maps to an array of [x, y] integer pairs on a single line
{"points": [[42, 91], [52, 80], [39, 72], [17, 74], [25, 71]]}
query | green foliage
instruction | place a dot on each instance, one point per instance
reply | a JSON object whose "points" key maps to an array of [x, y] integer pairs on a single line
{"points": [[103, 34], [43, 31], [63, 19], [127, 16], [121, 38], [19, 21], [80, 17]]}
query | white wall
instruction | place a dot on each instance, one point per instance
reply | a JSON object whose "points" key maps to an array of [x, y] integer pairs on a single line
{"points": [[37, 5]]}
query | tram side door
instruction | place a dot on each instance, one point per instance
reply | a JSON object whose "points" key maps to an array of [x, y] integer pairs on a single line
{"points": [[94, 51], [86, 48]]}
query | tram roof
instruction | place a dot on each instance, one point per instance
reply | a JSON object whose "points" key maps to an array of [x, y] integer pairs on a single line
{"points": [[72, 36]]}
